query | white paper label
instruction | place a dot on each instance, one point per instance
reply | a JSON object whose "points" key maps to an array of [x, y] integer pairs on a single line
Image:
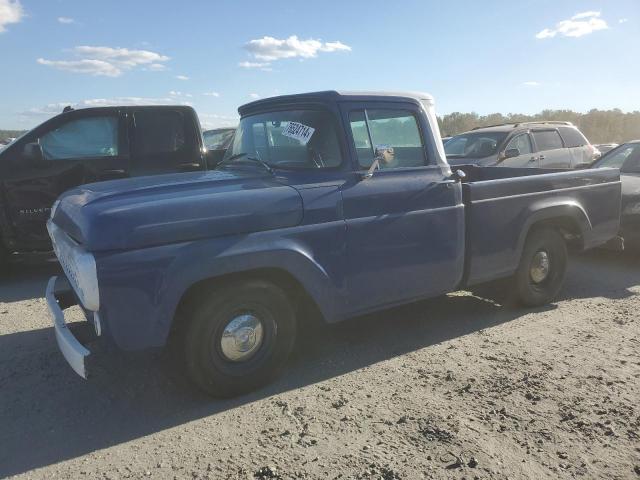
{"points": [[300, 132]]}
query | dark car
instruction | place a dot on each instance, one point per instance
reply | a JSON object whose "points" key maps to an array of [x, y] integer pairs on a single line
{"points": [[217, 141], [626, 157], [83, 146]]}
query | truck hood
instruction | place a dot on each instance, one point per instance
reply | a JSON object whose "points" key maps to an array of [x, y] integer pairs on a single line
{"points": [[140, 212]]}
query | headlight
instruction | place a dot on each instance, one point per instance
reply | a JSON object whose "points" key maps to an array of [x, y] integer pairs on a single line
{"points": [[78, 265]]}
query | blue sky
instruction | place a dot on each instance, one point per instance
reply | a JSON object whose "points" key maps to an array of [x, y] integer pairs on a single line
{"points": [[484, 56]]}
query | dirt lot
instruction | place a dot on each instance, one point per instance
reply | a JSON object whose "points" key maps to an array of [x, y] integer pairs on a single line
{"points": [[456, 387]]}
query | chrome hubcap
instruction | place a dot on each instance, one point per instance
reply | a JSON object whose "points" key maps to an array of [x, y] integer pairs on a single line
{"points": [[540, 267], [242, 337]]}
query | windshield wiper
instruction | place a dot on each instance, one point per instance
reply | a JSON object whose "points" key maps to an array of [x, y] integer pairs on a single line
{"points": [[248, 157]]}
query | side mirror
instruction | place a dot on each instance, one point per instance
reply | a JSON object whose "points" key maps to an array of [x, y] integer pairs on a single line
{"points": [[511, 153], [32, 154]]}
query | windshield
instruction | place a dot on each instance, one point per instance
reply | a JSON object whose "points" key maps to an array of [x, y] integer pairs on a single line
{"points": [[288, 139], [618, 156], [217, 139], [474, 145]]}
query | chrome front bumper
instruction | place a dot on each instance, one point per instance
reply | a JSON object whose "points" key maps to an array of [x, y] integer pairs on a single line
{"points": [[74, 352]]}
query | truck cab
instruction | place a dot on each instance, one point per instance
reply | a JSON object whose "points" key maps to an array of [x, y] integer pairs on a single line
{"points": [[84, 146]]}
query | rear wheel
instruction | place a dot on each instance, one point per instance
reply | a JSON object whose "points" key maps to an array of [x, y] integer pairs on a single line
{"points": [[239, 337], [542, 268]]}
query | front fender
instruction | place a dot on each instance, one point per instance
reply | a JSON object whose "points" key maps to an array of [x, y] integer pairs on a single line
{"points": [[139, 308]]}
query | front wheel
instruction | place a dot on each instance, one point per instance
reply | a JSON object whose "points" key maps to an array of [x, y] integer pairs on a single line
{"points": [[239, 337], [542, 268]]}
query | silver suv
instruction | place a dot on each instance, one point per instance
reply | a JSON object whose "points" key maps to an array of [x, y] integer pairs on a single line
{"points": [[528, 144]]}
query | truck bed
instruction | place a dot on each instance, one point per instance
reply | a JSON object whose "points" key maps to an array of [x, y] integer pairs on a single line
{"points": [[503, 203]]}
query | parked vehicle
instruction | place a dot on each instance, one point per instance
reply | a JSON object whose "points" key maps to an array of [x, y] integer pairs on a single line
{"points": [[626, 157], [217, 141], [531, 144], [605, 147], [88, 145], [343, 203]]}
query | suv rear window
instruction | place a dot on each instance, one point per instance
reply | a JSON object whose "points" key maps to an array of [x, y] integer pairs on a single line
{"points": [[547, 140], [572, 137]]}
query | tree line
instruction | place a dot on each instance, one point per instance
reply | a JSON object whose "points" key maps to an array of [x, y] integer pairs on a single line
{"points": [[599, 126]]}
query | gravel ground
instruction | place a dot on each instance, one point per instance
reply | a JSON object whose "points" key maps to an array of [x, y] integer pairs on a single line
{"points": [[456, 387]]}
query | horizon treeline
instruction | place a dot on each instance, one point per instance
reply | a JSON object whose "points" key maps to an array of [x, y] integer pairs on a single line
{"points": [[599, 126]]}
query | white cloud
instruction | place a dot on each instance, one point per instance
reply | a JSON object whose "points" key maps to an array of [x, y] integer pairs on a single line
{"points": [[269, 49], [107, 61], [589, 14], [623, 20], [211, 94], [254, 95], [531, 84], [10, 12], [156, 67], [66, 20], [182, 77], [253, 64], [176, 93], [580, 24], [91, 67]]}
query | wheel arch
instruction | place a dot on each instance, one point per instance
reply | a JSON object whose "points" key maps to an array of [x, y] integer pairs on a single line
{"points": [[568, 217]]}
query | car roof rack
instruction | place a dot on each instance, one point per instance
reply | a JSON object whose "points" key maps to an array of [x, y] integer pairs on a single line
{"points": [[532, 122], [546, 122]]}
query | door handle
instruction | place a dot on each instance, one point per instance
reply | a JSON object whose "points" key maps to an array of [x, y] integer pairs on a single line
{"points": [[541, 157], [532, 159]]}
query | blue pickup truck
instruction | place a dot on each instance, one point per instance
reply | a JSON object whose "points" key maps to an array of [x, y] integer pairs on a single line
{"points": [[339, 201]]}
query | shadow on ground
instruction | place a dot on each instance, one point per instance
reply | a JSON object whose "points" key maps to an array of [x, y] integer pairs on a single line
{"points": [[24, 282], [48, 414]]}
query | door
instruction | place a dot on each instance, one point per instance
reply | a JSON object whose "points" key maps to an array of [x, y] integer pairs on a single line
{"points": [[77, 148], [550, 149], [526, 158], [162, 141], [405, 226]]}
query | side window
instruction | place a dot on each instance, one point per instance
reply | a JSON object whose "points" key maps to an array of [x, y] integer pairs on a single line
{"points": [[572, 137], [82, 138], [522, 143], [395, 132], [158, 132], [547, 140]]}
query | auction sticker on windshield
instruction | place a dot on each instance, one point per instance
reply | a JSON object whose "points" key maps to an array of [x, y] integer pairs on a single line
{"points": [[299, 131]]}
